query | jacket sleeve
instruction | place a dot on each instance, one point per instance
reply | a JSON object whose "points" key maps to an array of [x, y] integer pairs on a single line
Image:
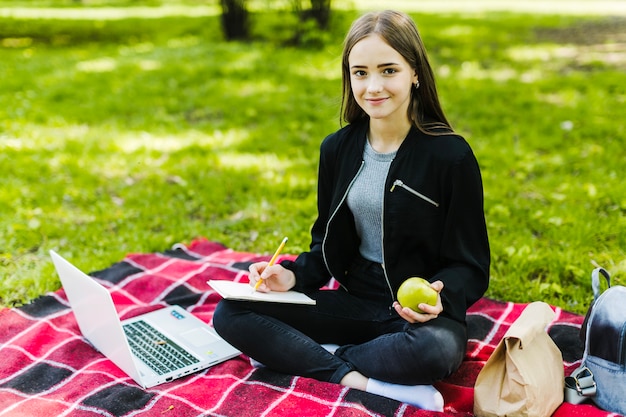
{"points": [[465, 253], [309, 267]]}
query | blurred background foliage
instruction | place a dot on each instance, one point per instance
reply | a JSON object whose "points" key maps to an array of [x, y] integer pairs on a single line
{"points": [[131, 125]]}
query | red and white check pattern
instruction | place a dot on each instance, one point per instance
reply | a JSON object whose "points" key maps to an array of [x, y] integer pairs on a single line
{"points": [[48, 369]]}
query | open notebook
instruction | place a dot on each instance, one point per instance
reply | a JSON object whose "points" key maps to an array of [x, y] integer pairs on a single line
{"points": [[244, 292]]}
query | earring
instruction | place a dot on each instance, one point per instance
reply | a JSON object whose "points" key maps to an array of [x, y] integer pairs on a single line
{"points": [[417, 85]]}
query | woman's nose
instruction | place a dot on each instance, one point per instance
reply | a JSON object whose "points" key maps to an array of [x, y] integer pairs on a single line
{"points": [[374, 85]]}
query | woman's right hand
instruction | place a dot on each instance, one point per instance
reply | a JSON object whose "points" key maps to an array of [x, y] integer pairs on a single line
{"points": [[429, 312], [275, 277]]}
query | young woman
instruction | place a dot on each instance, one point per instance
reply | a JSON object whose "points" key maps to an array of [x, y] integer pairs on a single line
{"points": [[399, 195]]}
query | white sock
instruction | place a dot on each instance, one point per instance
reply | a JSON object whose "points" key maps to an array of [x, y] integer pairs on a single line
{"points": [[330, 347], [422, 396], [256, 364]]}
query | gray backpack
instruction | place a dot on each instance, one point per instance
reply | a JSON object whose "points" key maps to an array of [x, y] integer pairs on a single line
{"points": [[601, 376]]}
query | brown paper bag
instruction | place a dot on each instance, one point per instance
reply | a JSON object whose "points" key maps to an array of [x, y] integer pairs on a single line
{"points": [[524, 376]]}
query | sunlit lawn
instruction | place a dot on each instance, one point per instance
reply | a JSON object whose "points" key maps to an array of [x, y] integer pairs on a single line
{"points": [[131, 135]]}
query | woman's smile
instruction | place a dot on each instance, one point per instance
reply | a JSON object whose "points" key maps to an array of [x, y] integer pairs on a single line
{"points": [[376, 101]]}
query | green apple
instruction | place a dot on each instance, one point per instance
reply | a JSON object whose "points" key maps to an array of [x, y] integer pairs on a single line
{"points": [[414, 291]]}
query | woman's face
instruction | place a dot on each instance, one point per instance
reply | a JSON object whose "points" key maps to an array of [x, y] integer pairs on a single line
{"points": [[381, 79]]}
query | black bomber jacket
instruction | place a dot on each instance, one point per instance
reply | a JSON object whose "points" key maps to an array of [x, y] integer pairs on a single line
{"points": [[433, 218]]}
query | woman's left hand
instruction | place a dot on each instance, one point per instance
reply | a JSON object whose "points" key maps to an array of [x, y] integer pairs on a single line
{"points": [[429, 312]]}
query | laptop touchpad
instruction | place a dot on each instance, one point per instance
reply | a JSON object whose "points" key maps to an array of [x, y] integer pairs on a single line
{"points": [[198, 337]]}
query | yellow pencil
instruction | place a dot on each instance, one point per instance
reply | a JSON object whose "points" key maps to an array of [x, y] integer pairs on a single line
{"points": [[280, 248]]}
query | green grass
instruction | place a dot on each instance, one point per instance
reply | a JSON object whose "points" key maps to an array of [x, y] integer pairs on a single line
{"points": [[130, 135]]}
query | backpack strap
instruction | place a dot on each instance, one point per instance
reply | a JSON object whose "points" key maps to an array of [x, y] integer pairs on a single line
{"points": [[579, 386], [595, 287], [595, 280]]}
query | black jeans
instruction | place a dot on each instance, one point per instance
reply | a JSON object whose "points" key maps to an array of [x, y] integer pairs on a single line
{"points": [[374, 340]]}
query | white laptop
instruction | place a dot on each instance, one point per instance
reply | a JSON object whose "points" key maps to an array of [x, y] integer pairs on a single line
{"points": [[152, 348]]}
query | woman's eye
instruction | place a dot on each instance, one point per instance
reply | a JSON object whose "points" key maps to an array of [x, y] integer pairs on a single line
{"points": [[389, 71], [359, 73]]}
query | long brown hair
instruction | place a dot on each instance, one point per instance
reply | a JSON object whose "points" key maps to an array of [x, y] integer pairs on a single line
{"points": [[400, 32]]}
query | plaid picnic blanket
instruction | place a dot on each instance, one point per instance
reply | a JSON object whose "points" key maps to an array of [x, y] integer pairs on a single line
{"points": [[48, 369]]}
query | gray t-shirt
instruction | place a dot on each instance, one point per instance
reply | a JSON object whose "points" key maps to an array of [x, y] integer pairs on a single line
{"points": [[365, 200]]}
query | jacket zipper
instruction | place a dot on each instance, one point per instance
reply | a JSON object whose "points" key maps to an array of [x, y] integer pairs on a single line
{"points": [[330, 219], [399, 183], [382, 248]]}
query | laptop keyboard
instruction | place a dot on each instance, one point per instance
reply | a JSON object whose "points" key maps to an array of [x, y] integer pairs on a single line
{"points": [[157, 351]]}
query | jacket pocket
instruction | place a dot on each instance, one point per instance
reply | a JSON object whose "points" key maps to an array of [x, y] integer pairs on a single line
{"points": [[399, 183]]}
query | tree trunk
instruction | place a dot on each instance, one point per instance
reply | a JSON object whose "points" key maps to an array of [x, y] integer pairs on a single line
{"points": [[320, 11], [235, 19]]}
